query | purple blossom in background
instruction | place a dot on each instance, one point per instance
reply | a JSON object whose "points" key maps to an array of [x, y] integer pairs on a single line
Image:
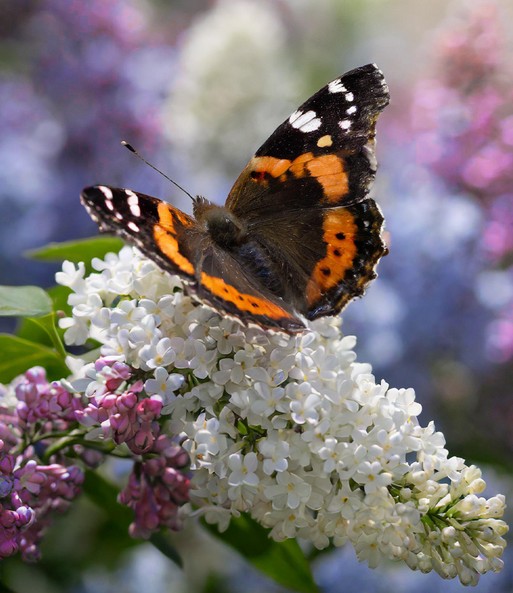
{"points": [[32, 490], [463, 122], [68, 100], [156, 489]]}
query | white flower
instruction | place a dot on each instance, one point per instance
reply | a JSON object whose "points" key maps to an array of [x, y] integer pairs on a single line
{"points": [[268, 400], [234, 42], [290, 429], [161, 353], [71, 276], [202, 360], [164, 384], [275, 454], [243, 469], [289, 491]]}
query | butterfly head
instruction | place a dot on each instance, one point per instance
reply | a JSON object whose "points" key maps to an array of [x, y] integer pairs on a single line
{"points": [[225, 229]]}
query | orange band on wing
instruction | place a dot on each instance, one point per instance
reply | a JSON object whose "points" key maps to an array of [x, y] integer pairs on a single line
{"points": [[242, 301], [164, 234], [339, 232], [329, 171], [268, 164]]}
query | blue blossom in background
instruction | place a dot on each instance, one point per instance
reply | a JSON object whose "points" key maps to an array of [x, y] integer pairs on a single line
{"points": [[86, 75]]}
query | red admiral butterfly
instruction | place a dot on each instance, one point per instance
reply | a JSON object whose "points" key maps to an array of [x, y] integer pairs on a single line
{"points": [[298, 238]]}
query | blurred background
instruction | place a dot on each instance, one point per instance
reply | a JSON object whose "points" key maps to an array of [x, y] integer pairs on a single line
{"points": [[196, 86]]}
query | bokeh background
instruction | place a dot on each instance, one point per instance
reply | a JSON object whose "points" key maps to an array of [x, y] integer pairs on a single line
{"points": [[196, 86]]}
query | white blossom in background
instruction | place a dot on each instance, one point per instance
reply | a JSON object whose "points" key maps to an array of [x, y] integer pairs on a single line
{"points": [[233, 58], [290, 429]]}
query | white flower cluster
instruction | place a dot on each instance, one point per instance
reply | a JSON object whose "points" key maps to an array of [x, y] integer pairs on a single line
{"points": [[290, 429], [239, 53]]}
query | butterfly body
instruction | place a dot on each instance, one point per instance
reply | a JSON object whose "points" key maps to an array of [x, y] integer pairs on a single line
{"points": [[298, 236], [225, 229]]}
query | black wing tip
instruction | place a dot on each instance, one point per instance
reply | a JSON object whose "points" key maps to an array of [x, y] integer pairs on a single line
{"points": [[92, 192], [371, 77]]}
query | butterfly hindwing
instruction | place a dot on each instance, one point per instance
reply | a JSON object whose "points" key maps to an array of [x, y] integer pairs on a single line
{"points": [[227, 283]]}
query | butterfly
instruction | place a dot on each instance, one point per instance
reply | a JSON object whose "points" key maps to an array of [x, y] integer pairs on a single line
{"points": [[298, 236]]}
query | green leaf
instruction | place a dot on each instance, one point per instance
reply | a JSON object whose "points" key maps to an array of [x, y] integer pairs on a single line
{"points": [[42, 330], [29, 330], [47, 324], [77, 251], [59, 295], [104, 494], [24, 301], [18, 355], [284, 562]]}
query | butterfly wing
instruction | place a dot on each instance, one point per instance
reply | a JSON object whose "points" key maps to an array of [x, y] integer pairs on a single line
{"points": [[163, 233], [231, 286], [178, 245], [322, 155], [303, 196], [314, 234]]}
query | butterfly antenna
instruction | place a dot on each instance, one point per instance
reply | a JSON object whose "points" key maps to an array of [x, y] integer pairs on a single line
{"points": [[132, 149]]}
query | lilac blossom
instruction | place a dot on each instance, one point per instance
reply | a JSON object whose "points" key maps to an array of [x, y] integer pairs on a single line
{"points": [[38, 479], [463, 121], [327, 436], [82, 84], [157, 488]]}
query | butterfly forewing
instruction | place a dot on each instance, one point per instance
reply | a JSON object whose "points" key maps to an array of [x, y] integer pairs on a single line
{"points": [[155, 227], [322, 155], [304, 194]]}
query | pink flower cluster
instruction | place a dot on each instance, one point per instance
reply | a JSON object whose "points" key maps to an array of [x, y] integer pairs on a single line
{"points": [[31, 490], [43, 405], [463, 124], [119, 409], [156, 488], [29, 494], [463, 116]]}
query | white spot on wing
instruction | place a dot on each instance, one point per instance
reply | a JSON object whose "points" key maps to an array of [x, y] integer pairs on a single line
{"points": [[132, 197], [294, 116], [118, 215], [133, 202], [336, 86], [106, 191], [305, 122], [349, 97], [351, 110], [109, 204], [133, 226], [345, 124]]}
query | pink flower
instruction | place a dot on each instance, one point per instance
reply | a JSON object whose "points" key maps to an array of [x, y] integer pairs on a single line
{"points": [[156, 489]]}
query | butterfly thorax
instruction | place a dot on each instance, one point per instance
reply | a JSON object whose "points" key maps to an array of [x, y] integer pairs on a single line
{"points": [[229, 233], [225, 229]]}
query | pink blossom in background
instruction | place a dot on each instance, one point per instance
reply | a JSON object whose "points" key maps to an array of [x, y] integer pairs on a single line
{"points": [[462, 118]]}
